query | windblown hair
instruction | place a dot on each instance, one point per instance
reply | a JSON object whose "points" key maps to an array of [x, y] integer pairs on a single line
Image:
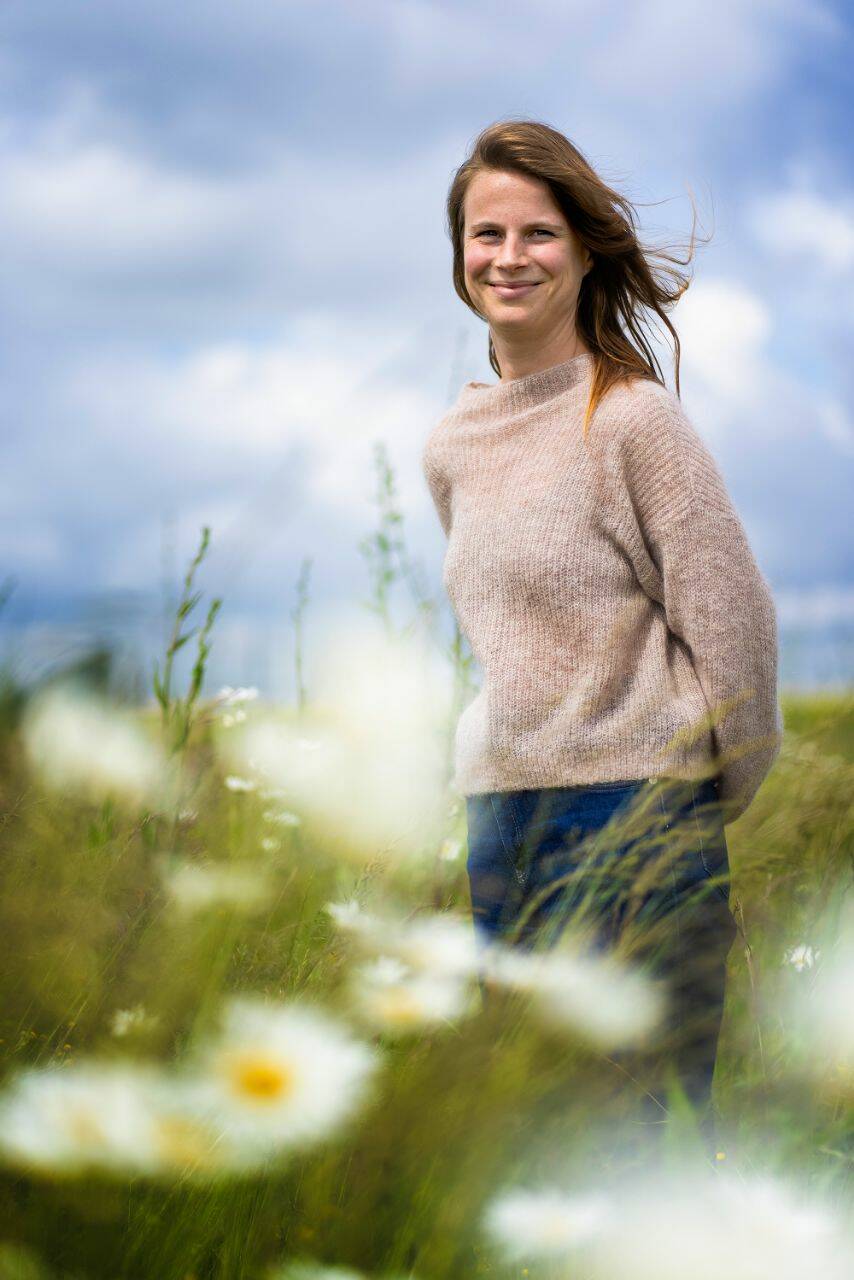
{"points": [[621, 285]]}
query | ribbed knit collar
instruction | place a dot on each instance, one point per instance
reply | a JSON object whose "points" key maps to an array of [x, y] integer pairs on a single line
{"points": [[485, 399]]}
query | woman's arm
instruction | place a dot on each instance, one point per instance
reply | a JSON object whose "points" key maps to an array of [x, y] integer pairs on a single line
{"points": [[693, 556], [716, 599]]}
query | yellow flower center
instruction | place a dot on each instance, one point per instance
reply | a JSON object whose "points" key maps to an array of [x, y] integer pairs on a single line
{"points": [[261, 1079], [86, 1129], [397, 1005]]}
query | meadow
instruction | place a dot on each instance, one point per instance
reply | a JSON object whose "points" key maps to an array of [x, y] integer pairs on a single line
{"points": [[242, 1034]]}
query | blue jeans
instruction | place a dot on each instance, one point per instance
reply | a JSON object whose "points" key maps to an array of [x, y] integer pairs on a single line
{"points": [[544, 858]]}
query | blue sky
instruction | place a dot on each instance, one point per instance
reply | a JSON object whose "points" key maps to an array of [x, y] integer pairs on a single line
{"points": [[226, 274]]}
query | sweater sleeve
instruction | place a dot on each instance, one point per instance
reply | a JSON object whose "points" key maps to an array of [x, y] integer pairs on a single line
{"points": [[717, 601], [439, 489], [694, 553]]}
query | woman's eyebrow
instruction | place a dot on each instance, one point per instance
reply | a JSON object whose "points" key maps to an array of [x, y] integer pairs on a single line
{"points": [[540, 222]]}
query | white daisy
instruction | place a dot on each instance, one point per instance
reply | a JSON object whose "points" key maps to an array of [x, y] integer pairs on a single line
{"points": [[547, 1222], [283, 817], [441, 943], [80, 742], [136, 1018], [283, 1075], [397, 1000], [235, 783], [707, 1223], [80, 1116], [605, 1001], [229, 696], [365, 763], [801, 957], [195, 886]]}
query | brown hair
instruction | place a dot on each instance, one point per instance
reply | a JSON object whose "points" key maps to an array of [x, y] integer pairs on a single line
{"points": [[621, 280]]}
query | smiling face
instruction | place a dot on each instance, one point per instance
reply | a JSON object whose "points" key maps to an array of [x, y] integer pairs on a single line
{"points": [[515, 232]]}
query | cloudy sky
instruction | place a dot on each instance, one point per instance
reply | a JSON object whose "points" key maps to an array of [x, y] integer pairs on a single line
{"points": [[226, 275]]}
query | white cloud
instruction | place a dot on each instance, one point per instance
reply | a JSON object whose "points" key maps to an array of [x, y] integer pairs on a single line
{"points": [[229, 410], [804, 224], [725, 328]]}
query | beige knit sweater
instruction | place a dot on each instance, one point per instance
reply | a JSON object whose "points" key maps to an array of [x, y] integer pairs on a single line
{"points": [[607, 589]]}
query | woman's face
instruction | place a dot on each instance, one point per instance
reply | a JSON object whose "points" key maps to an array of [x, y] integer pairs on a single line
{"points": [[513, 232]]}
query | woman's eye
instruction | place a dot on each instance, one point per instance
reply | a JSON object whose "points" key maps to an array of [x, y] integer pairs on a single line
{"points": [[540, 231]]}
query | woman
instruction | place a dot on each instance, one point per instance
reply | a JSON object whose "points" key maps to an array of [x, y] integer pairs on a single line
{"points": [[603, 578]]}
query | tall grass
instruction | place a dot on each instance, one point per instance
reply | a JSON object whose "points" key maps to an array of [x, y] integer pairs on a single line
{"points": [[131, 925]]}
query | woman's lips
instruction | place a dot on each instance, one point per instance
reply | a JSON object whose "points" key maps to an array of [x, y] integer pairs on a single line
{"points": [[514, 290]]}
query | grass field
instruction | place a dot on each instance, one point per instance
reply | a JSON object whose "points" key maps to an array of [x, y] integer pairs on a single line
{"points": [[228, 1051]]}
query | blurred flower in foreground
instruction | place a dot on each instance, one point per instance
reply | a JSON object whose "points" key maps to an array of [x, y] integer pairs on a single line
{"points": [[81, 1116], [440, 943], [195, 886], [80, 742], [817, 1008], [395, 999], [282, 817], [119, 1118], [240, 784], [801, 957], [135, 1019], [364, 766], [232, 698], [528, 1224], [281, 1075], [451, 849], [606, 1001], [229, 696], [278, 1076], [707, 1223]]}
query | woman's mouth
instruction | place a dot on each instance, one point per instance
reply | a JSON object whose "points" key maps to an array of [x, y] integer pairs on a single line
{"points": [[513, 290]]}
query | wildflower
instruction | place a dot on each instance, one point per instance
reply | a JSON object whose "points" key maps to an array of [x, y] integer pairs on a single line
{"points": [[195, 886], [801, 957], [450, 850], [546, 1222], [79, 742], [283, 817], [822, 1017], [239, 784], [282, 1075], [233, 717], [136, 1018], [346, 914], [270, 844], [440, 943], [608, 1003], [365, 765], [229, 697], [80, 1116], [705, 1223], [397, 1000]]}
